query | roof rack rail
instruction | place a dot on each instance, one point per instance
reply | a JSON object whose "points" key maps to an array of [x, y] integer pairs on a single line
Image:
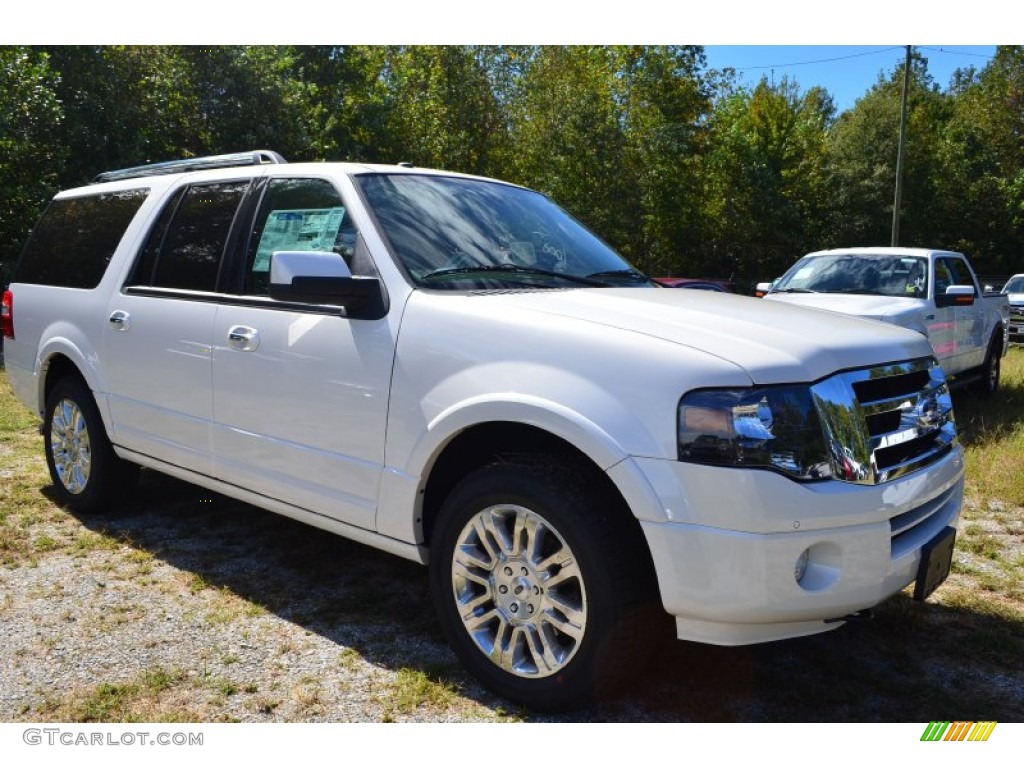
{"points": [[254, 157]]}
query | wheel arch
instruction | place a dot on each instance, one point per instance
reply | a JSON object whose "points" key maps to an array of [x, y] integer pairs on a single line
{"points": [[56, 367], [483, 444]]}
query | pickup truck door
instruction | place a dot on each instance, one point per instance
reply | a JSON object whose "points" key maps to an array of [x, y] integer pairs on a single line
{"points": [[940, 319], [969, 342], [300, 393], [158, 336]]}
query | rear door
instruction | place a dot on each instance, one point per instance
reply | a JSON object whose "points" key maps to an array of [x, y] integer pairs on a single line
{"points": [[158, 339], [300, 393]]}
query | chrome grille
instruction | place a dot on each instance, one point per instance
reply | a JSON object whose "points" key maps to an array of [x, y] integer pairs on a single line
{"points": [[881, 423]]}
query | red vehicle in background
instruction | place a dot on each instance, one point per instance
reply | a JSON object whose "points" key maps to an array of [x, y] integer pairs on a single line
{"points": [[700, 284]]}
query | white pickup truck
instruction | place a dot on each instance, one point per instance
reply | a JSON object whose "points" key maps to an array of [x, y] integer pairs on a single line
{"points": [[935, 293], [452, 369], [1013, 290]]}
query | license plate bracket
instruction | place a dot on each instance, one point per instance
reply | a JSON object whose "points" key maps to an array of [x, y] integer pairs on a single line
{"points": [[936, 559]]}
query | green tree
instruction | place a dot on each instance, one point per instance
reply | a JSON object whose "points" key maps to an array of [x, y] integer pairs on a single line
{"points": [[766, 176], [440, 108], [31, 155], [982, 156], [862, 152], [663, 107]]}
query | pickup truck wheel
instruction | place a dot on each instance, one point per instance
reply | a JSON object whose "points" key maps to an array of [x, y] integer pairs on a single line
{"points": [[86, 473], [988, 384], [534, 576]]}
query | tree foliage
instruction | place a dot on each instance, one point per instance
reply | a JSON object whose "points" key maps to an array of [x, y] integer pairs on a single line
{"points": [[31, 156], [679, 167]]}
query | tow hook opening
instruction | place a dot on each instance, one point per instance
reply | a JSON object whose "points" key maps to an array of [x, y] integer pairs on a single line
{"points": [[864, 615]]}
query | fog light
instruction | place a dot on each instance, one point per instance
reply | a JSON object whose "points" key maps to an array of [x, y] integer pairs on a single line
{"points": [[801, 565]]}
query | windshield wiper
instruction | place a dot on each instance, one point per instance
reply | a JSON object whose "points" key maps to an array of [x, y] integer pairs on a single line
{"points": [[630, 274], [514, 270], [793, 290]]}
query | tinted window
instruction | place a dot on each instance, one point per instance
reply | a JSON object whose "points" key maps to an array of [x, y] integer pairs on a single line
{"points": [[299, 215], [142, 272], [956, 271], [945, 275], [75, 238], [185, 247]]}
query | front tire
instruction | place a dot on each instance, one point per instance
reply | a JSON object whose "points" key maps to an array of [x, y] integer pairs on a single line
{"points": [[87, 475], [538, 581]]}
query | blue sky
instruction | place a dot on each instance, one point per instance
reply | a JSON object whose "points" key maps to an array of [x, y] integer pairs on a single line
{"points": [[845, 71]]}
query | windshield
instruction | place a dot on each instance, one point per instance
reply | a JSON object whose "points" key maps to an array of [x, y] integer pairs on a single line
{"points": [[457, 234], [1014, 285], [878, 275]]}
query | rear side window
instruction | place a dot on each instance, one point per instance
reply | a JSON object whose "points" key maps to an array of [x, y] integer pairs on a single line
{"points": [[76, 237], [185, 248]]}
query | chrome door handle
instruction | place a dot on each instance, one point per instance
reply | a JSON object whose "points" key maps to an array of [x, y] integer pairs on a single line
{"points": [[243, 337], [121, 320]]}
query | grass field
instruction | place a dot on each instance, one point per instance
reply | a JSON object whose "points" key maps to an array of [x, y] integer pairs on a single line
{"points": [[956, 657]]}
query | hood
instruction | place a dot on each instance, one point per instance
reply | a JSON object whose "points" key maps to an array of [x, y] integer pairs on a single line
{"points": [[859, 304], [1015, 299], [771, 341]]}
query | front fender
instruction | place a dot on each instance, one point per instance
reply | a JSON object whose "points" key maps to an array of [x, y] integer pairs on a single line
{"points": [[408, 468]]}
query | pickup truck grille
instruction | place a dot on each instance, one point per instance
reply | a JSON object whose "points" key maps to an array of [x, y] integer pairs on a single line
{"points": [[884, 422]]}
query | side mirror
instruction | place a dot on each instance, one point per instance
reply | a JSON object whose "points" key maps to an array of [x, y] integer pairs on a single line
{"points": [[956, 295], [320, 277], [762, 288]]}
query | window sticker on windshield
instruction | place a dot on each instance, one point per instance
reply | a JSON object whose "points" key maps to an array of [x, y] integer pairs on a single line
{"points": [[804, 272], [313, 229]]}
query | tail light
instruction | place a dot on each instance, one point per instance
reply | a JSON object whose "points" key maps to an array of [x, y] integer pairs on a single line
{"points": [[7, 315]]}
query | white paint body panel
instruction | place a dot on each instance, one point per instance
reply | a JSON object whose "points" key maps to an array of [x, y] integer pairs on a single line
{"points": [[339, 422]]}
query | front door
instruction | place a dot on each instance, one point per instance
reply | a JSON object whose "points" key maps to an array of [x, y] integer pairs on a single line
{"points": [[300, 394]]}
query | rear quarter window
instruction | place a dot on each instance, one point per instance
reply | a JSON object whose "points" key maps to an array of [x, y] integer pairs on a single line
{"points": [[75, 238]]}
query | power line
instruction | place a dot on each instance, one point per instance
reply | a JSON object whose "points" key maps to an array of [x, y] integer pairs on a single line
{"points": [[954, 53], [822, 61]]}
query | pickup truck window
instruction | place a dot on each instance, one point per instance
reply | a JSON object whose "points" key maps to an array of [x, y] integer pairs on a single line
{"points": [[877, 275], [951, 272], [462, 234], [299, 215], [185, 247], [74, 240], [1014, 285]]}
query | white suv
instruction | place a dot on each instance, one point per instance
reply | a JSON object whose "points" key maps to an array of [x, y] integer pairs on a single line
{"points": [[452, 369]]}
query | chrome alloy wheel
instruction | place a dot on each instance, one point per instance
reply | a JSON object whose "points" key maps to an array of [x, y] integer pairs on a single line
{"points": [[519, 591], [70, 446]]}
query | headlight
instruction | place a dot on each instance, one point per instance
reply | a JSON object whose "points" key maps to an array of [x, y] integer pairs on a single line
{"points": [[769, 427]]}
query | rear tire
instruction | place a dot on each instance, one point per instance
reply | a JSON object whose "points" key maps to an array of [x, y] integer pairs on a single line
{"points": [[540, 584], [87, 475], [990, 370]]}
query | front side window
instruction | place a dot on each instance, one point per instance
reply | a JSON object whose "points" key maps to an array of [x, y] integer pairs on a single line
{"points": [[954, 272], [300, 215], [455, 233], [76, 237], [185, 247]]}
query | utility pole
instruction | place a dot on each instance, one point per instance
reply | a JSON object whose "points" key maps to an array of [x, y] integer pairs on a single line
{"points": [[899, 153]]}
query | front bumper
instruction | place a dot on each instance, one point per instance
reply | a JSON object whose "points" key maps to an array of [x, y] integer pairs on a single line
{"points": [[727, 547]]}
